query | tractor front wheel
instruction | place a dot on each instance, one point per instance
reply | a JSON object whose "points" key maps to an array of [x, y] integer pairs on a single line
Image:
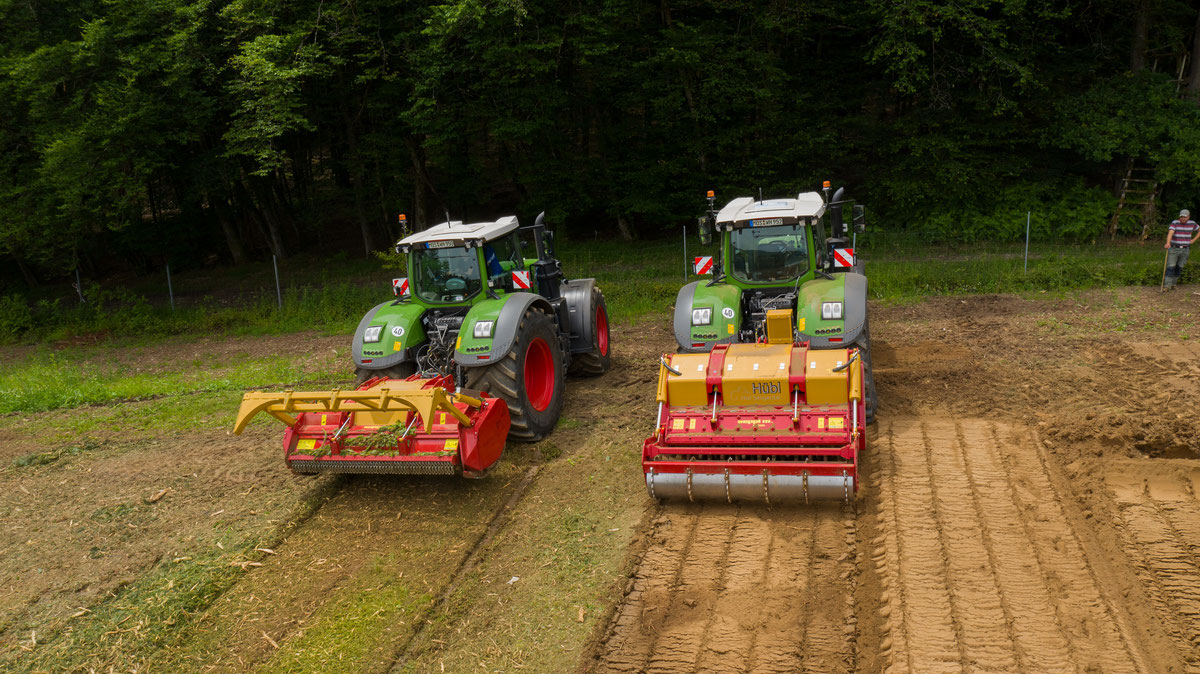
{"points": [[398, 371], [599, 359], [529, 378]]}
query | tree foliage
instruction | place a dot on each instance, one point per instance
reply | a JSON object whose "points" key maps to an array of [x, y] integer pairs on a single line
{"points": [[133, 133]]}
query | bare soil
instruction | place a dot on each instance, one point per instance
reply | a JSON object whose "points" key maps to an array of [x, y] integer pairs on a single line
{"points": [[1028, 503]]}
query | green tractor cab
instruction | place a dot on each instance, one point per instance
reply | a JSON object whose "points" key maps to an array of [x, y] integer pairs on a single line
{"points": [[788, 253], [492, 311]]}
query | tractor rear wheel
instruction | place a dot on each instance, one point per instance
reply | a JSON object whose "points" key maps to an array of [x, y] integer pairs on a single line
{"points": [[529, 378], [863, 343], [599, 359], [398, 371]]}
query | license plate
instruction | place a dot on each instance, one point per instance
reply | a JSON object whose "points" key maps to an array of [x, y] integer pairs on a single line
{"points": [[440, 244], [766, 222]]}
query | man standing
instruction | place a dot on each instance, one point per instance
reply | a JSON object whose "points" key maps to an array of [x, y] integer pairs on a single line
{"points": [[1180, 236]]}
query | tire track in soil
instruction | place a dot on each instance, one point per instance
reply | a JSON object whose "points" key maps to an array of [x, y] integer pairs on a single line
{"points": [[739, 588], [366, 519], [1160, 531], [979, 565]]}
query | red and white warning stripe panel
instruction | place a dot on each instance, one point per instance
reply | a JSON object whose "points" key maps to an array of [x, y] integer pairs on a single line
{"points": [[521, 280], [843, 257], [400, 286], [703, 264]]}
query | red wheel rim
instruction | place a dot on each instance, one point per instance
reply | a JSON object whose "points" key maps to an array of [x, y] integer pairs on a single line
{"points": [[602, 330], [539, 374]]}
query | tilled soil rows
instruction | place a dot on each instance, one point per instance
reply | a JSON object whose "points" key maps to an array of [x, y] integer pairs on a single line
{"points": [[1028, 503], [728, 588]]}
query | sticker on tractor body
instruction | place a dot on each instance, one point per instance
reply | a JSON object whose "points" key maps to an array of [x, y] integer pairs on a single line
{"points": [[843, 257], [521, 280], [703, 264], [400, 286]]}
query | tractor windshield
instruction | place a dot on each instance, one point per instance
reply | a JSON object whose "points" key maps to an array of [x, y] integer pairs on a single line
{"points": [[768, 254], [445, 274]]}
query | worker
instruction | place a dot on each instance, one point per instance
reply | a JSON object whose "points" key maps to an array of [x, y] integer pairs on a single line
{"points": [[1180, 236]]}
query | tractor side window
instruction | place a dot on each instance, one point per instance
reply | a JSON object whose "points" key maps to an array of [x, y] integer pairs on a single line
{"points": [[503, 255], [446, 274], [769, 254]]}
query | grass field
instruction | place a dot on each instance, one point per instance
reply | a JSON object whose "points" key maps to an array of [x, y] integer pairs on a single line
{"points": [[330, 295]]}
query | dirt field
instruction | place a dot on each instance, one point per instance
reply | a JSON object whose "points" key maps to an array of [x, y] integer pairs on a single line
{"points": [[1028, 503]]}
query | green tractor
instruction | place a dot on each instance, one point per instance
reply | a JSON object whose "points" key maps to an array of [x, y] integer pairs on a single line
{"points": [[477, 308], [779, 254]]}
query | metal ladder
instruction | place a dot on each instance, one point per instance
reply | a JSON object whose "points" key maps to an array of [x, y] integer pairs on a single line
{"points": [[1139, 192]]}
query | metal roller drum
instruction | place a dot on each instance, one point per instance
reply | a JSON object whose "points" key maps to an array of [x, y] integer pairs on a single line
{"points": [[767, 488]]}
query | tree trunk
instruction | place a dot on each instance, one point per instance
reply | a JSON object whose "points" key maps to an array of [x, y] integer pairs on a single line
{"points": [[232, 241], [355, 172], [422, 184], [1193, 83], [265, 218], [623, 228], [1141, 33], [27, 273]]}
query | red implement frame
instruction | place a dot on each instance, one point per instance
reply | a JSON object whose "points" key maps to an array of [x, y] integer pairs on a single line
{"points": [[817, 445]]}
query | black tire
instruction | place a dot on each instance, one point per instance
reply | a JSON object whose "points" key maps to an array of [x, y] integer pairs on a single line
{"points": [[599, 359], [507, 379], [863, 343], [398, 371]]}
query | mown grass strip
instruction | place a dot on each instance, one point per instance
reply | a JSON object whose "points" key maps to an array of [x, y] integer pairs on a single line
{"points": [[639, 279], [49, 380], [159, 608]]}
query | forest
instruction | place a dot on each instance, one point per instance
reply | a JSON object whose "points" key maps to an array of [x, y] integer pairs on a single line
{"points": [[215, 132]]}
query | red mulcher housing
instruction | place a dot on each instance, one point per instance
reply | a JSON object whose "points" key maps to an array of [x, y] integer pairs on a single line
{"points": [[399, 426]]}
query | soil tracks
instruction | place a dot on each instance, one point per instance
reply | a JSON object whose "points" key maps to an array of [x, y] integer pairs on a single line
{"points": [[980, 566], [729, 588]]}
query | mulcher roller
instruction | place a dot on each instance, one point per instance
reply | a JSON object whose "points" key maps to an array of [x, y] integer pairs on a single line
{"points": [[773, 422]]}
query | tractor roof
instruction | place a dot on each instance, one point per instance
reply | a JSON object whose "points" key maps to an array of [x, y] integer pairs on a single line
{"points": [[457, 231], [746, 212]]}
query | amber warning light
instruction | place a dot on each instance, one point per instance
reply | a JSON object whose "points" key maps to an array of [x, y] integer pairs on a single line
{"points": [[825, 184], [711, 194]]}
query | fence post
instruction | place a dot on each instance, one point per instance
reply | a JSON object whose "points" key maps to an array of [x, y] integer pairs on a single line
{"points": [[278, 291], [1028, 215], [685, 257], [170, 290]]}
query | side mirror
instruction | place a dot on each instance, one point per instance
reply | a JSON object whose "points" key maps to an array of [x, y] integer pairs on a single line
{"points": [[705, 228], [860, 217]]}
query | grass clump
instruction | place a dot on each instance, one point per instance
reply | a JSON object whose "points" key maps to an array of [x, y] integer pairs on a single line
{"points": [[49, 457]]}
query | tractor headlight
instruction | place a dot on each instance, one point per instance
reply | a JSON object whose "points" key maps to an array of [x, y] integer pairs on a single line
{"points": [[831, 311], [702, 316], [372, 333], [483, 329]]}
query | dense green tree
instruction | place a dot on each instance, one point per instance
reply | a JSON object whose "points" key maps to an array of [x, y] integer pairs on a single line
{"points": [[133, 133]]}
